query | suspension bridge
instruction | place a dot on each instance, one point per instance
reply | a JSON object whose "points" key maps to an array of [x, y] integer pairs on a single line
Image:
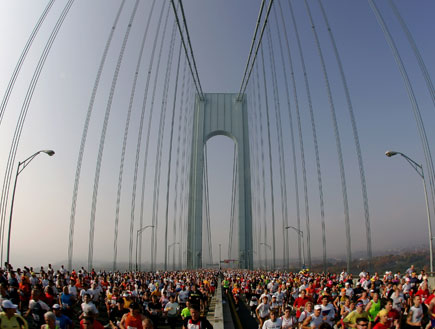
{"points": [[136, 165]]}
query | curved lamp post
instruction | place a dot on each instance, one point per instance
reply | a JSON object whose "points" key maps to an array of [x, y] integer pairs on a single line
{"points": [[139, 231], [20, 168], [301, 233], [419, 169]]}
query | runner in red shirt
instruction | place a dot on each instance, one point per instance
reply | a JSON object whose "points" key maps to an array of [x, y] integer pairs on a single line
{"points": [[300, 302]]}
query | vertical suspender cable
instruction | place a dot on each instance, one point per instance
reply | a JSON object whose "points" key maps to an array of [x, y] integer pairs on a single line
{"points": [[233, 201], [21, 59], [185, 144], [159, 151], [24, 110], [177, 166], [290, 117], [257, 165], [304, 171], [85, 134], [170, 159], [124, 142], [337, 140], [313, 122], [103, 139], [263, 174], [283, 186], [207, 206], [355, 137], [270, 162], [139, 137], [254, 169]]}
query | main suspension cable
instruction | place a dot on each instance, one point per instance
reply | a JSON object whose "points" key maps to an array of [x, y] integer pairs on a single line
{"points": [[194, 76], [243, 87], [260, 13]]}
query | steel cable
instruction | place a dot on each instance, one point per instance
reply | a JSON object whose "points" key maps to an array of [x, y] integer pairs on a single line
{"points": [[170, 159], [140, 133], [277, 106], [124, 142], [177, 164], [313, 122], [269, 7], [260, 14], [21, 59], [103, 139], [159, 151], [411, 95], [84, 136], [23, 114], [355, 136], [337, 139], [272, 198]]}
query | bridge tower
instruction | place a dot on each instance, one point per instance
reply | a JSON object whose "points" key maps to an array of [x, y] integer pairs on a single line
{"points": [[220, 114]]}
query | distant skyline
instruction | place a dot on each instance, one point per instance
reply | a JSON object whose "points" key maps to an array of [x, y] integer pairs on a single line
{"points": [[221, 33]]}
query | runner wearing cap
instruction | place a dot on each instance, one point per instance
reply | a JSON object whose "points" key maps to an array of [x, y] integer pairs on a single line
{"points": [[9, 319], [314, 320], [62, 321]]}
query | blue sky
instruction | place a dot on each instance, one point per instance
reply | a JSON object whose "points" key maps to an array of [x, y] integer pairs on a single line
{"points": [[221, 32]]}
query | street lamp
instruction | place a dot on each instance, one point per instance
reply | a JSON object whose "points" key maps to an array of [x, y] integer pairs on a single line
{"points": [[20, 168], [139, 231], [419, 169], [301, 233], [173, 258]]}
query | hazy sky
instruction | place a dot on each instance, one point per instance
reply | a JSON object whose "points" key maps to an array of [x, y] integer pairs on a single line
{"points": [[221, 33]]}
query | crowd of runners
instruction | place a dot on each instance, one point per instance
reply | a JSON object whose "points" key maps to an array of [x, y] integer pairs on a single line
{"points": [[322, 301], [48, 298]]}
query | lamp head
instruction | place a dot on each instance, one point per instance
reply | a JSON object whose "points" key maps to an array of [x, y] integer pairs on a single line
{"points": [[49, 152], [391, 153]]}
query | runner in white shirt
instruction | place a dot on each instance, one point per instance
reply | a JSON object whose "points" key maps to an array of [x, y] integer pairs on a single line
{"points": [[263, 310], [314, 320], [288, 320], [273, 323]]}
